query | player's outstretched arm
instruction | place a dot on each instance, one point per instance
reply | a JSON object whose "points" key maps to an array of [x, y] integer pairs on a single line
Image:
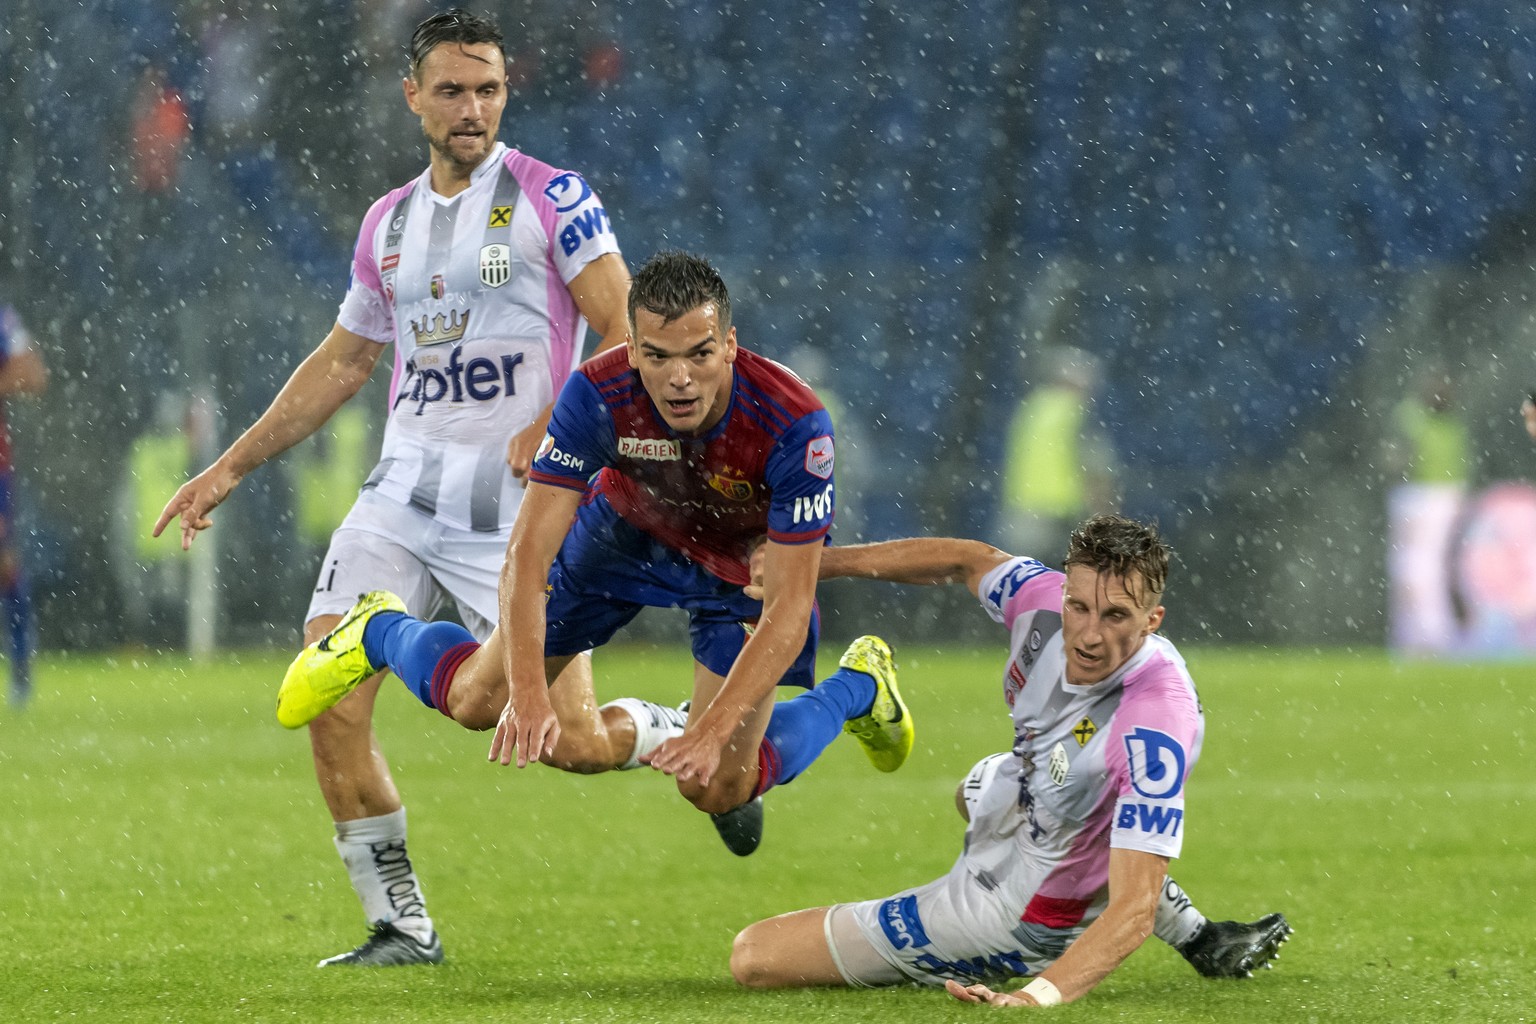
{"points": [[329, 376], [1135, 885], [789, 593], [918, 560], [528, 726]]}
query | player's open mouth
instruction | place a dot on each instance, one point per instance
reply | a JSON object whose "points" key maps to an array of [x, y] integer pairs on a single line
{"points": [[682, 406]]}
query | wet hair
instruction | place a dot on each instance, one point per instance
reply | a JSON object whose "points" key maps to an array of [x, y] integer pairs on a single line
{"points": [[455, 26], [673, 283], [1117, 546]]}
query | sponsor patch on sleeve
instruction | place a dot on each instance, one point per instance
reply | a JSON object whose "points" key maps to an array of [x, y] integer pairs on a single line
{"points": [[818, 456]]}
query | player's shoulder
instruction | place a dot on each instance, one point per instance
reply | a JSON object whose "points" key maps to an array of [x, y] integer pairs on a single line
{"points": [[1160, 669], [562, 187], [610, 373], [774, 387], [387, 203]]}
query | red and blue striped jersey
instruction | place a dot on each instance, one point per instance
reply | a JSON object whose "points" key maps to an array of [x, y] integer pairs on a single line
{"points": [[764, 469]]}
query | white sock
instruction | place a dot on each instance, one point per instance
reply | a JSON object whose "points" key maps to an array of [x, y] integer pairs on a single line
{"points": [[373, 849], [1177, 918], [654, 725]]}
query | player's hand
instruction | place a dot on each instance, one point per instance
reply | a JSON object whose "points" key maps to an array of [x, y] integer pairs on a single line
{"points": [[531, 730], [982, 994], [522, 448], [1528, 413], [755, 563], [194, 501], [693, 756]]}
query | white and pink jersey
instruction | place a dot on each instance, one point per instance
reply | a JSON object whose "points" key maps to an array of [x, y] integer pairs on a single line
{"points": [[473, 291], [1092, 767]]}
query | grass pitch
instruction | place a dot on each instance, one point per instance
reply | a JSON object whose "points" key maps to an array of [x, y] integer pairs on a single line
{"points": [[165, 856]]}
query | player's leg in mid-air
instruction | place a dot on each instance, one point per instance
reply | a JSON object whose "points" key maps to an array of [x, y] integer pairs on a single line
{"points": [[351, 769], [780, 739]]}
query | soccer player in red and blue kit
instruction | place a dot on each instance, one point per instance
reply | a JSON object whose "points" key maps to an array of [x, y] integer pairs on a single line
{"points": [[22, 372], [664, 466]]}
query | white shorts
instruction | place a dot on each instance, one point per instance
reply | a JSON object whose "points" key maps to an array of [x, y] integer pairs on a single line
{"points": [[384, 545], [960, 926]]}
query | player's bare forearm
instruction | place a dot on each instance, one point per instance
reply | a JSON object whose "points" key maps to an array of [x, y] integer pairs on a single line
{"points": [[543, 520], [601, 292], [789, 594], [916, 560], [1135, 885], [323, 382]]}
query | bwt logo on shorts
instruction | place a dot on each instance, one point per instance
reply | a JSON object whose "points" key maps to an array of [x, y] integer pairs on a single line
{"points": [[547, 450], [901, 923], [479, 380]]}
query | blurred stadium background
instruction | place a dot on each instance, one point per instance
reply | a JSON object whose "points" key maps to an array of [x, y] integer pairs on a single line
{"points": [[1265, 221]]}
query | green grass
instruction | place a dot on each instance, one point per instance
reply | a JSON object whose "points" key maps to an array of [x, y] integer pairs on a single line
{"points": [[164, 855]]}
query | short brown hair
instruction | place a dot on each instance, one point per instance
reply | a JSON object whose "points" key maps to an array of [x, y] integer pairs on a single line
{"points": [[672, 284], [1113, 544], [455, 26]]}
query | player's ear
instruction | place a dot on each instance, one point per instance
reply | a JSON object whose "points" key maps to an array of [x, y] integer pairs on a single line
{"points": [[730, 344], [1154, 619], [632, 350], [409, 85]]}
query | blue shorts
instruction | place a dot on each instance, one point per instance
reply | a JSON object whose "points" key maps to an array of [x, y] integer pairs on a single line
{"points": [[607, 570]]}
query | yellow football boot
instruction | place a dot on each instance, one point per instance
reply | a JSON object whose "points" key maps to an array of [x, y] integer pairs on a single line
{"points": [[333, 666], [886, 732]]}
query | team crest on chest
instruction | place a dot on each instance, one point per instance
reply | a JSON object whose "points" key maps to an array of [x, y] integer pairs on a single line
{"points": [[495, 265], [734, 487], [1060, 765]]}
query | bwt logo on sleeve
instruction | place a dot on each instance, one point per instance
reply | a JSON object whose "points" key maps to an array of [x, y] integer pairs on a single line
{"points": [[814, 508], [901, 923], [567, 191], [1156, 763]]}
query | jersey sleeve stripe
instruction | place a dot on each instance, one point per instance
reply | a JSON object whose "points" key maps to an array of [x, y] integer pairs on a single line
{"points": [[568, 482]]}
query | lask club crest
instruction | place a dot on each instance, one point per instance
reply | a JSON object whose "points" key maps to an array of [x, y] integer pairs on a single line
{"points": [[495, 265]]}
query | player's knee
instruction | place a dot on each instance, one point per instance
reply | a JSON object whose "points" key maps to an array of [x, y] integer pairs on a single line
{"points": [[751, 964], [715, 798], [582, 751]]}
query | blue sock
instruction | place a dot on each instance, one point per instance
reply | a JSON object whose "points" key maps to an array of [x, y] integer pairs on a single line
{"points": [[411, 648], [802, 728]]}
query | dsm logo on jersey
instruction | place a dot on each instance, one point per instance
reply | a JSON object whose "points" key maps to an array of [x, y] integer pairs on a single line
{"points": [[1157, 763], [901, 923], [548, 451]]}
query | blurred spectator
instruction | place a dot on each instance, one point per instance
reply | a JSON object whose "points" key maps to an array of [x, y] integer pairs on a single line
{"points": [[1429, 443], [1058, 467], [22, 372]]}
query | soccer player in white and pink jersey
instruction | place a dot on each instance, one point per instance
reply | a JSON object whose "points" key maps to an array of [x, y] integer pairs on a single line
{"points": [[484, 272], [1064, 872]]}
